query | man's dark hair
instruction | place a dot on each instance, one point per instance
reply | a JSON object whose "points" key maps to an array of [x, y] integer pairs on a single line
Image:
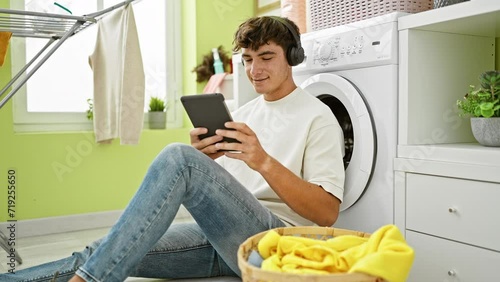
{"points": [[258, 31]]}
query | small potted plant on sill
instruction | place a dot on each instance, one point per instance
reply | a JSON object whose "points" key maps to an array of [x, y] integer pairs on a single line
{"points": [[483, 106], [157, 116]]}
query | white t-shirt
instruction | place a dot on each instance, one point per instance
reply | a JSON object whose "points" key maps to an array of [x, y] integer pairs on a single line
{"points": [[300, 132]]}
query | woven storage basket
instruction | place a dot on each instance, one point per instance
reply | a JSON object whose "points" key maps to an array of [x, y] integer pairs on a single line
{"points": [[250, 273], [330, 13]]}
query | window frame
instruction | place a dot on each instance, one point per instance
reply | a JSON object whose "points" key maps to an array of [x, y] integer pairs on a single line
{"points": [[25, 121]]}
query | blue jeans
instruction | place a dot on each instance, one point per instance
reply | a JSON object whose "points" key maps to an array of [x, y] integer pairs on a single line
{"points": [[143, 243]]}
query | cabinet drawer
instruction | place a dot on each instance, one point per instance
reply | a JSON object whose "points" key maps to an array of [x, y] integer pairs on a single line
{"points": [[458, 209], [443, 260]]}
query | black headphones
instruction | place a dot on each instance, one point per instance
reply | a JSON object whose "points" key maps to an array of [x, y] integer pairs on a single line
{"points": [[294, 54]]}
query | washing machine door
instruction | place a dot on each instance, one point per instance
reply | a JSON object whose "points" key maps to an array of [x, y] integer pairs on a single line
{"points": [[352, 112]]}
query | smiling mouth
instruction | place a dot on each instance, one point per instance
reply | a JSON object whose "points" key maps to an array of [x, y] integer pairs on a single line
{"points": [[259, 80]]}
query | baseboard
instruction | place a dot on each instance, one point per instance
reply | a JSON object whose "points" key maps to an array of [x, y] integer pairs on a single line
{"points": [[60, 224], [70, 223]]}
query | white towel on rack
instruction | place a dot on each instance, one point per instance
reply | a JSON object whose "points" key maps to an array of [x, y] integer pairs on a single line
{"points": [[119, 80]]}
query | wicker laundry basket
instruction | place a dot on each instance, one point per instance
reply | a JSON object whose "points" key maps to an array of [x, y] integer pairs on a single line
{"points": [[330, 13], [443, 3], [250, 273]]}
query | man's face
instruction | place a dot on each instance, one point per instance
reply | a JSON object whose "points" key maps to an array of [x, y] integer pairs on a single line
{"points": [[268, 70]]}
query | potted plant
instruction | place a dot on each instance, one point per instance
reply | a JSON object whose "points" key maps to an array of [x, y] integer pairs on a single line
{"points": [[157, 116], [483, 106]]}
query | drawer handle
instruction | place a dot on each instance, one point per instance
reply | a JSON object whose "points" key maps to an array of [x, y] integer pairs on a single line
{"points": [[451, 273], [452, 210]]}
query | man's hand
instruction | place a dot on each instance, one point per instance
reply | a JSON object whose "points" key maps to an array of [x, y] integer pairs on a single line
{"points": [[249, 150], [206, 145]]}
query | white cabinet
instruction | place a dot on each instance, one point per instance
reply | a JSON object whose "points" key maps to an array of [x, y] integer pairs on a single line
{"points": [[450, 216], [447, 186], [438, 259], [457, 209]]}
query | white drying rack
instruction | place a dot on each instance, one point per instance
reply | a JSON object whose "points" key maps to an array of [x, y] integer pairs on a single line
{"points": [[54, 27]]}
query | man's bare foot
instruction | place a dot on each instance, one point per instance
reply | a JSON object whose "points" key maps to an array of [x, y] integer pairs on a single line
{"points": [[76, 278]]}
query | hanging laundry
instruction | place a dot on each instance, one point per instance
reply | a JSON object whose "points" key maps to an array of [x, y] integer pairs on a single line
{"points": [[4, 45], [119, 79]]}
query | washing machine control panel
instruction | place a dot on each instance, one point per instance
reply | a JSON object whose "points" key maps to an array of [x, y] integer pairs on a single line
{"points": [[363, 47], [337, 48]]}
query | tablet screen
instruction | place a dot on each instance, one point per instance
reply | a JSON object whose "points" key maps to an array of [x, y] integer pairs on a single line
{"points": [[209, 111]]}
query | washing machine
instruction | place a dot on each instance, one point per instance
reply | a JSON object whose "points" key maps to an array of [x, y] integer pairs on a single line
{"points": [[354, 70]]}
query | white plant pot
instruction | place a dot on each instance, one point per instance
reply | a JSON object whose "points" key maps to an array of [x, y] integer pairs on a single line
{"points": [[157, 120], [486, 130]]}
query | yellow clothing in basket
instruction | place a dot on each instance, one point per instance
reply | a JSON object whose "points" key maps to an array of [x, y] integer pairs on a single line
{"points": [[384, 254], [4, 44]]}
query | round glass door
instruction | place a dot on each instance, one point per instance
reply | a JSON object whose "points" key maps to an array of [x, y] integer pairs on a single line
{"points": [[353, 114]]}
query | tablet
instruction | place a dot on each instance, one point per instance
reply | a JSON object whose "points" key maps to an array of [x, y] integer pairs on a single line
{"points": [[209, 111]]}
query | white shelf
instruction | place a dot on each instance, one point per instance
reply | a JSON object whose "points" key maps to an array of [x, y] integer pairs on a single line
{"points": [[475, 17], [445, 169], [442, 52], [470, 153]]}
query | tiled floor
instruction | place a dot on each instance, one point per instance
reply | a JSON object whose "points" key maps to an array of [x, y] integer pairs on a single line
{"points": [[41, 249]]}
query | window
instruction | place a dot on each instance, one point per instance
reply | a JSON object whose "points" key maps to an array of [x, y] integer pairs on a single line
{"points": [[55, 97]]}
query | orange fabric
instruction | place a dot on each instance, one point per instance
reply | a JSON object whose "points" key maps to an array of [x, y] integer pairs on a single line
{"points": [[4, 44]]}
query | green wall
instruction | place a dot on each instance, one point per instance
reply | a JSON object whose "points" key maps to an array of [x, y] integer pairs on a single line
{"points": [[216, 21], [67, 173]]}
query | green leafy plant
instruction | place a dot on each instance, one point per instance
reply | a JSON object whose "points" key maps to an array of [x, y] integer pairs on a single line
{"points": [[484, 101], [90, 111], [156, 105]]}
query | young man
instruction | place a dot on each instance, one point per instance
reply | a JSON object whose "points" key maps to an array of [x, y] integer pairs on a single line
{"points": [[288, 171]]}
